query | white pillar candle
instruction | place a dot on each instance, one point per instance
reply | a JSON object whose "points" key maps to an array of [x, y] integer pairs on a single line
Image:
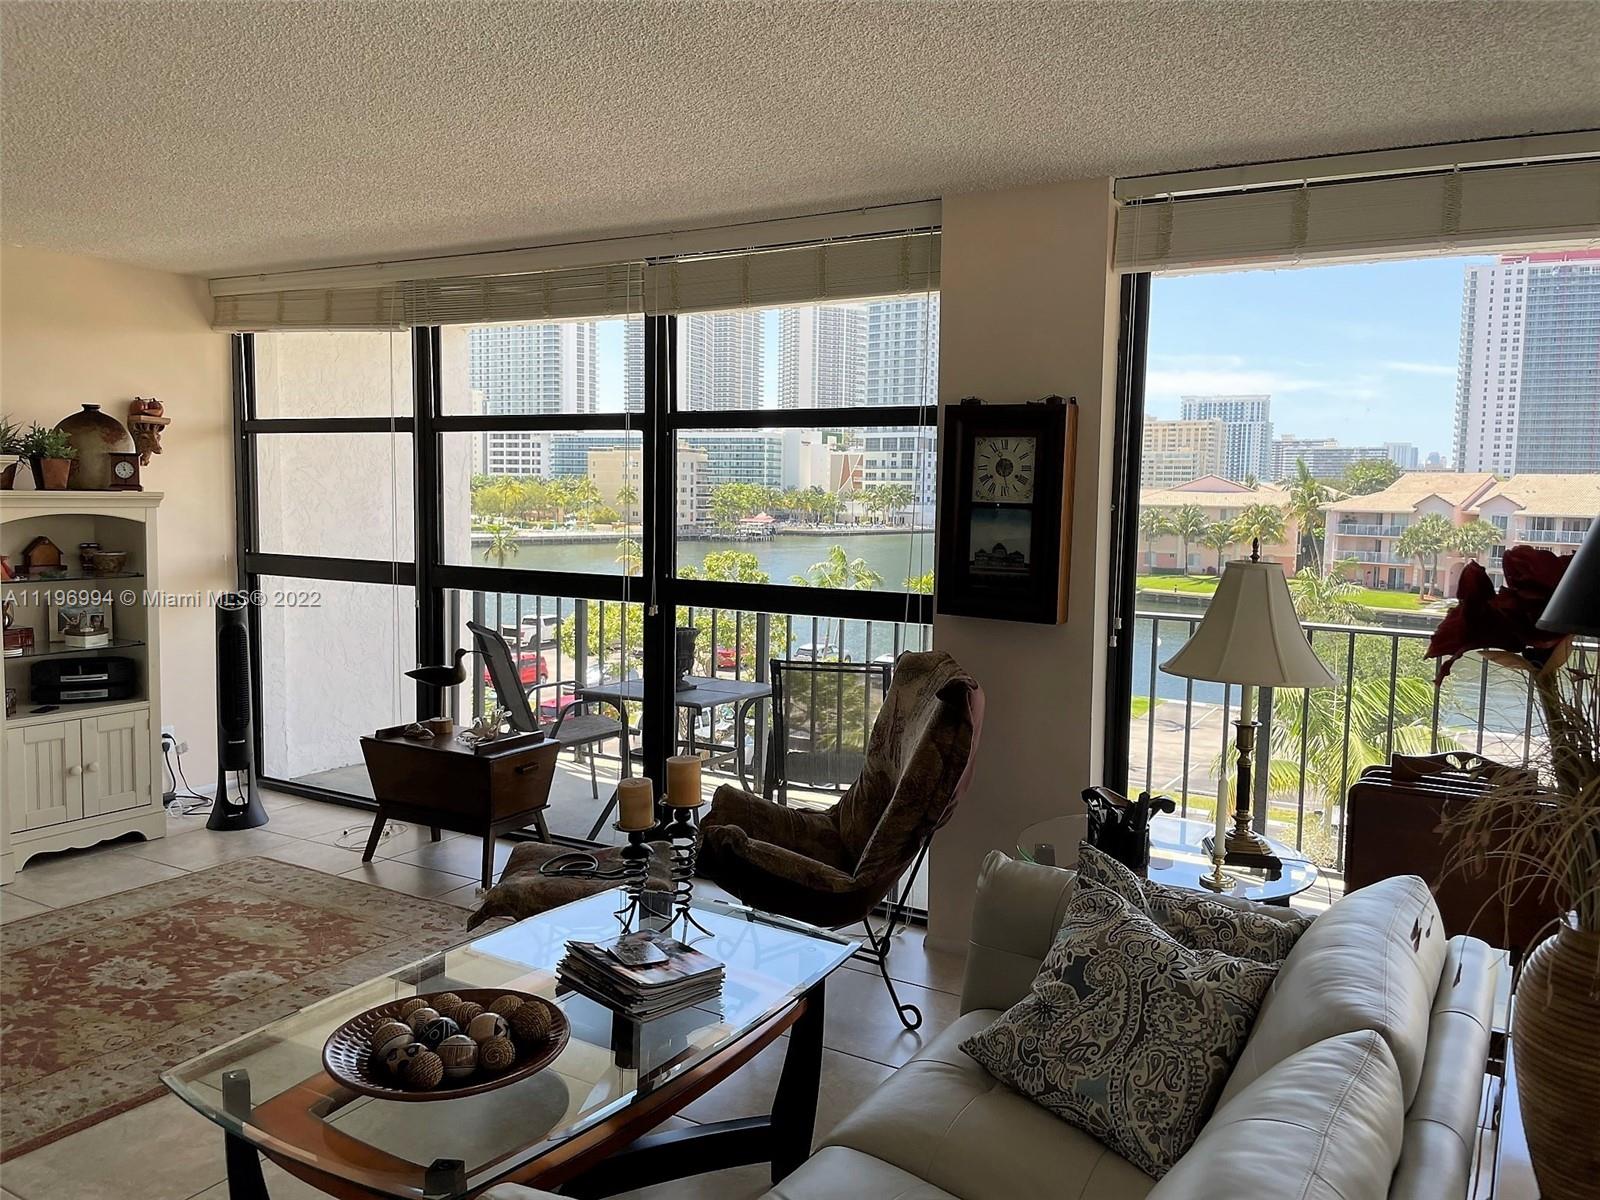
{"points": [[683, 781], [636, 803]]}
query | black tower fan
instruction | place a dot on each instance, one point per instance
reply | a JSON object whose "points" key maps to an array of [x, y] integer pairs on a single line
{"points": [[237, 804]]}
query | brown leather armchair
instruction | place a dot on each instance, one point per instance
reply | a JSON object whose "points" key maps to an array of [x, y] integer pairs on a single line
{"points": [[834, 867]]}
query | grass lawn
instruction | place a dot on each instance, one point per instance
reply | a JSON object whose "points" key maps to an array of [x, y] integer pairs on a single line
{"points": [[1194, 585], [1205, 585], [1141, 705]]}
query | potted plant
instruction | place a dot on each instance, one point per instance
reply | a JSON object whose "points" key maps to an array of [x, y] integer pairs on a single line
{"points": [[51, 451], [13, 445], [1541, 828]]}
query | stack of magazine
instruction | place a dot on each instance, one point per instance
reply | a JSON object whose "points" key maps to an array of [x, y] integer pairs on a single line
{"points": [[641, 975]]}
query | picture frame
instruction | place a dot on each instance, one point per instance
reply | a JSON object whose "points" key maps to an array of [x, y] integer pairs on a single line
{"points": [[1005, 517], [82, 619]]}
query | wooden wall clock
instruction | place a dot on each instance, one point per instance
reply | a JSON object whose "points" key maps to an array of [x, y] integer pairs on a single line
{"points": [[1005, 517]]}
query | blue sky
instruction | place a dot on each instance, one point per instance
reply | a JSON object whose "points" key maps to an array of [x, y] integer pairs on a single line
{"points": [[1363, 353]]}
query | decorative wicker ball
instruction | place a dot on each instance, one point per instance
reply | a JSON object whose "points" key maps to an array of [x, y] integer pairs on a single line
{"points": [[506, 1005], [435, 1031], [418, 1017], [398, 1057], [497, 1054], [423, 1070], [530, 1023], [411, 1006], [487, 1026], [390, 1033], [464, 1012], [446, 1003], [459, 1054]]}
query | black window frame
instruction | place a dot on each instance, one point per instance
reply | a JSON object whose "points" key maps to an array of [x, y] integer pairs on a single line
{"points": [[431, 578]]}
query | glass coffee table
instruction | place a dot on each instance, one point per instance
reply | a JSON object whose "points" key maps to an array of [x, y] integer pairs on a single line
{"points": [[582, 1123]]}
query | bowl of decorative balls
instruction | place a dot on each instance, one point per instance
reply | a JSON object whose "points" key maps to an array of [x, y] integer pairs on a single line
{"points": [[446, 1045]]}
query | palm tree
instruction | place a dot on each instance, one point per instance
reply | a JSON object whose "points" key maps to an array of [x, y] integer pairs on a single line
{"points": [[1261, 522], [839, 571], [1424, 540], [1188, 523], [1219, 536], [1474, 538], [920, 583], [502, 544], [1328, 598], [630, 555], [1153, 523], [627, 497], [1307, 495]]}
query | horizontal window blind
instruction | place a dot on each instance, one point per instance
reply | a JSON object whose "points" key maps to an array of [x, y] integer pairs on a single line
{"points": [[583, 292], [1522, 206], [900, 264]]}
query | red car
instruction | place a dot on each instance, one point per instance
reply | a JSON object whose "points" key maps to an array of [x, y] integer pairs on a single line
{"points": [[531, 669]]}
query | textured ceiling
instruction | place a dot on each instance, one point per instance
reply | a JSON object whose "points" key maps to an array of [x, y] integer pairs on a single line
{"points": [[222, 137]]}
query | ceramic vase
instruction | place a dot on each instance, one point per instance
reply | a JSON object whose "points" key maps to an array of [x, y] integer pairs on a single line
{"points": [[1555, 1037], [95, 435]]}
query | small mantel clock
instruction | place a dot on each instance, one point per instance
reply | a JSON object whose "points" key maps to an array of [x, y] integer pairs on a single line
{"points": [[1005, 523]]}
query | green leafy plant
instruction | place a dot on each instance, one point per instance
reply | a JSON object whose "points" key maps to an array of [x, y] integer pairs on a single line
{"points": [[49, 443], [12, 439]]}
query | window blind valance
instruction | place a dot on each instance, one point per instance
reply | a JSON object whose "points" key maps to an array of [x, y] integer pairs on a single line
{"points": [[899, 264], [842, 269], [1554, 203], [611, 290]]}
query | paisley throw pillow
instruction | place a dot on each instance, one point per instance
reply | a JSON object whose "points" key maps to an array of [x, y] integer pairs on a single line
{"points": [[1126, 1034], [1197, 921]]}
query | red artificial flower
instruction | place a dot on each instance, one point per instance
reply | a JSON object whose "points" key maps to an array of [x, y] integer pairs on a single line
{"points": [[1484, 619]]}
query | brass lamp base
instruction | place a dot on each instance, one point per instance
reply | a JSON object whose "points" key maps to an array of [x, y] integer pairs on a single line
{"points": [[1244, 840]]}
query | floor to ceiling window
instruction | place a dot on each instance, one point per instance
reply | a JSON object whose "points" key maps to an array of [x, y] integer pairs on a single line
{"points": [[598, 461], [329, 448], [1373, 426]]}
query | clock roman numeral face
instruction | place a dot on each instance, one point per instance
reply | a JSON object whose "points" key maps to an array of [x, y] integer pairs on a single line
{"points": [[1003, 469]]}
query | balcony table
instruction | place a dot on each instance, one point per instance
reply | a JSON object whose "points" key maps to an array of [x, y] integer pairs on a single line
{"points": [[707, 693]]}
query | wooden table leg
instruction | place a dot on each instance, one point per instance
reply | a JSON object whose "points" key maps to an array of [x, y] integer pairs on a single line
{"points": [[244, 1169], [794, 1108], [488, 857], [375, 836]]}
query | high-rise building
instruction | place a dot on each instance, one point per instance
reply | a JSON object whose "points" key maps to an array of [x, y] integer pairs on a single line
{"points": [[1247, 431], [1326, 458], [822, 356], [722, 356], [633, 366], [523, 370], [1176, 452], [902, 367], [1528, 376]]}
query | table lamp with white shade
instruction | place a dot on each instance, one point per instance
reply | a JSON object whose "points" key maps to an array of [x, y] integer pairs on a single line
{"points": [[1251, 637]]}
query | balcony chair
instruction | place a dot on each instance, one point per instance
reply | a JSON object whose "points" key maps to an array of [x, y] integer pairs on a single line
{"points": [[579, 726], [822, 714], [834, 867]]}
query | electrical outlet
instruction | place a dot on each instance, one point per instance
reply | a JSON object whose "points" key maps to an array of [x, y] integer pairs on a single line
{"points": [[169, 731]]}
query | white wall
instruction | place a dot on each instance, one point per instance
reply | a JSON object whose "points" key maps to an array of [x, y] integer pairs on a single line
{"points": [[76, 330], [1029, 308]]}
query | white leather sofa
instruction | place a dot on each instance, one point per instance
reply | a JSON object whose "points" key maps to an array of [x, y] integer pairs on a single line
{"points": [[1361, 1079]]}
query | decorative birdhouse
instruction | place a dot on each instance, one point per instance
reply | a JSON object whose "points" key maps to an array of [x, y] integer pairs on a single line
{"points": [[42, 558]]}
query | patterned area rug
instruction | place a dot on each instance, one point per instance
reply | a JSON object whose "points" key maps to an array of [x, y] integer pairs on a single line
{"points": [[102, 997]]}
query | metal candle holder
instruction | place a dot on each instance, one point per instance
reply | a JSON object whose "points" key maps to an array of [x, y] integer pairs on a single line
{"points": [[1218, 880], [635, 857], [683, 837]]}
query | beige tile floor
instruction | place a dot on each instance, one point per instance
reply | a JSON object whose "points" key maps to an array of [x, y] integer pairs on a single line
{"points": [[164, 1151]]}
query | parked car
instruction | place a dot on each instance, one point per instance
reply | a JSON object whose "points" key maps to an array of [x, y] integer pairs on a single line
{"points": [[535, 631], [531, 669], [811, 652]]}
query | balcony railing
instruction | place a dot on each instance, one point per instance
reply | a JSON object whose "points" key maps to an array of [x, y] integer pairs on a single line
{"points": [[1313, 744], [1388, 557], [546, 632], [1349, 530], [1546, 537]]}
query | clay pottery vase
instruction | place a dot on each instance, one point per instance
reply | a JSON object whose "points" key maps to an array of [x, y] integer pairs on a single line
{"points": [[96, 435], [1555, 1039], [51, 474]]}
